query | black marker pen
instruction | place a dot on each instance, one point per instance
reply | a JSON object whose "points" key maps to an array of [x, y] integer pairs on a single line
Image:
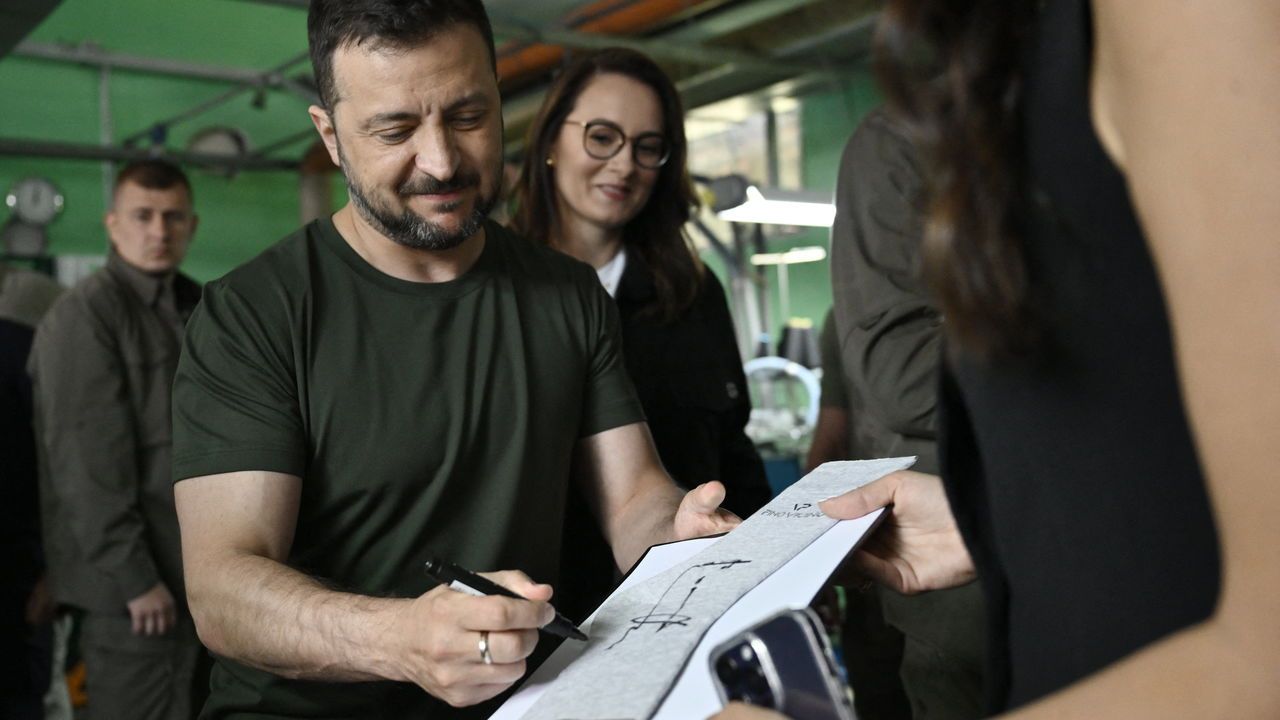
{"points": [[446, 573]]}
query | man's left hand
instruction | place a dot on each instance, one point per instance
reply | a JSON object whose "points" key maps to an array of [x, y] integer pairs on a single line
{"points": [[700, 513]]}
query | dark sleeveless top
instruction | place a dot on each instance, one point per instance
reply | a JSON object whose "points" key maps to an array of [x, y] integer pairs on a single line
{"points": [[1073, 474]]}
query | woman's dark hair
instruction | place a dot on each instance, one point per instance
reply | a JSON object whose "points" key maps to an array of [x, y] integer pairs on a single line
{"points": [[656, 234], [951, 69]]}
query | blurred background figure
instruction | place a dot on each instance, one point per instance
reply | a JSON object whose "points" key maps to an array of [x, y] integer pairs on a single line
{"points": [[26, 607], [890, 337], [835, 434], [102, 365], [881, 352], [605, 180], [870, 649]]}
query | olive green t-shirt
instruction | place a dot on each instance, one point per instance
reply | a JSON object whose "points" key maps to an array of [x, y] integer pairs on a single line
{"points": [[423, 418]]}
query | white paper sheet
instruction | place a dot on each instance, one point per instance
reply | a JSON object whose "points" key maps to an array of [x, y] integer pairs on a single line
{"points": [[793, 585]]}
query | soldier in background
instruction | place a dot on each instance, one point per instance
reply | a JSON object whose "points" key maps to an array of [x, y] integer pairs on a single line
{"points": [[102, 365]]}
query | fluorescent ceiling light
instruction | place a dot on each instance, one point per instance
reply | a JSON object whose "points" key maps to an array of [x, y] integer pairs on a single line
{"points": [[782, 207], [790, 257]]}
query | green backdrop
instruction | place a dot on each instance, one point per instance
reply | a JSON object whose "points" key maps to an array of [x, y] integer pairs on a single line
{"points": [[56, 101]]}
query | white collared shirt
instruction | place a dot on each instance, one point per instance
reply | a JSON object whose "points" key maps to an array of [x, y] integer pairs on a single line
{"points": [[610, 273]]}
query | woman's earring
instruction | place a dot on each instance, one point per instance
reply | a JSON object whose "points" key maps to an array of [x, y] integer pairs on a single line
{"points": [[550, 161]]}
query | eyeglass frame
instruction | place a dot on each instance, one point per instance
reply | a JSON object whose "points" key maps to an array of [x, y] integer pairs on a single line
{"points": [[586, 128]]}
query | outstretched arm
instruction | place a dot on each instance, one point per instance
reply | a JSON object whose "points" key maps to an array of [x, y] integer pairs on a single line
{"points": [[636, 501], [248, 605]]}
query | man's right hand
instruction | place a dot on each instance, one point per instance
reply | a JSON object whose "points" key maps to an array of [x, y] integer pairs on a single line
{"points": [[440, 632], [153, 612]]}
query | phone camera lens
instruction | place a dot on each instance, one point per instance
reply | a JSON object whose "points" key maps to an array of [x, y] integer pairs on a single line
{"points": [[743, 677]]}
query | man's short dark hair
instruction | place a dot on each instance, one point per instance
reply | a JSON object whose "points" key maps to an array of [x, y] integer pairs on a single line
{"points": [[398, 24], [154, 175]]}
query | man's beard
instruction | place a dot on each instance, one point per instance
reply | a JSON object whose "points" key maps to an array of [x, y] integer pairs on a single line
{"points": [[410, 229]]}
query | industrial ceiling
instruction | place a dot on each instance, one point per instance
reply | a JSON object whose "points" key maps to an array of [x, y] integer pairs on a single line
{"points": [[714, 49]]}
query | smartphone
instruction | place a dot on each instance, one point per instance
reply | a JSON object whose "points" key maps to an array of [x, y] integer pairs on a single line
{"points": [[783, 663]]}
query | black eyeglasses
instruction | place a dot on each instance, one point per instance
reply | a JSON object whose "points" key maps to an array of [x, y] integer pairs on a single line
{"points": [[602, 140]]}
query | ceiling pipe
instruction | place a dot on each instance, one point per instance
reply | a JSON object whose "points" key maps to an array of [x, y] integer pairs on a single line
{"points": [[734, 18], [517, 65], [715, 84], [608, 23], [83, 151], [284, 142], [268, 79], [658, 49], [94, 56], [518, 108]]}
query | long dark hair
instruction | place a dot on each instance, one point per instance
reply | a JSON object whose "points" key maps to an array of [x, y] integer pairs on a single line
{"points": [[656, 234], [951, 69]]}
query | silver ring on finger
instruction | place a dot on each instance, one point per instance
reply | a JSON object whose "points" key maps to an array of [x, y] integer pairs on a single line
{"points": [[485, 657]]}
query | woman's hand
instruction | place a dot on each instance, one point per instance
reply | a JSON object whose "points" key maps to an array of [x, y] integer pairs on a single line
{"points": [[918, 546]]}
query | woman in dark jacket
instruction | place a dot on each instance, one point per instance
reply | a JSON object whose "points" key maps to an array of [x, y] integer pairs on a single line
{"points": [[605, 180]]}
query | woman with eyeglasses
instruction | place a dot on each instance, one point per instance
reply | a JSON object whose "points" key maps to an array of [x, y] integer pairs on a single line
{"points": [[605, 180]]}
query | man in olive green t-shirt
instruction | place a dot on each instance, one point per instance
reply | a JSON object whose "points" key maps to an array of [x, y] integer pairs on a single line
{"points": [[401, 381]]}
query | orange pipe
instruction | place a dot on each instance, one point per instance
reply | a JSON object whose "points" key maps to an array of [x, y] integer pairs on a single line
{"points": [[604, 17], [593, 11]]}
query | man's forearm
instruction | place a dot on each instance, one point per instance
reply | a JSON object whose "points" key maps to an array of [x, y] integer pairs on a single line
{"points": [[265, 614], [647, 519]]}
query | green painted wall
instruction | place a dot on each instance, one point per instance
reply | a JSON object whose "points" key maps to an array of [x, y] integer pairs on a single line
{"points": [[55, 101]]}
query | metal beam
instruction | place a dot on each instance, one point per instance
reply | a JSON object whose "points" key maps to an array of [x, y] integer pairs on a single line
{"points": [[94, 56], [285, 142], [300, 89], [84, 151], [263, 79]]}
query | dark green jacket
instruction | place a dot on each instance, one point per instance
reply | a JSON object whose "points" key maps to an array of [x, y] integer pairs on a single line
{"points": [[890, 349], [890, 333], [101, 366]]}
